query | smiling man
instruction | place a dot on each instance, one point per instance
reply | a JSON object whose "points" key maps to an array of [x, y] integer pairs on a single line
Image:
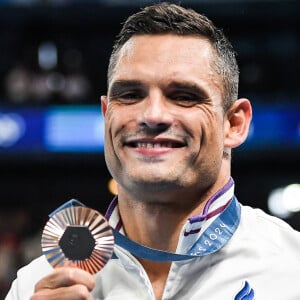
{"points": [[172, 117], [163, 115]]}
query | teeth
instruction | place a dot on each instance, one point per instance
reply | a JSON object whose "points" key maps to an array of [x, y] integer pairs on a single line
{"points": [[153, 145]]}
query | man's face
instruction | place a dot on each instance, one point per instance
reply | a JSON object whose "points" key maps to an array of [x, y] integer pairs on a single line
{"points": [[164, 115]]}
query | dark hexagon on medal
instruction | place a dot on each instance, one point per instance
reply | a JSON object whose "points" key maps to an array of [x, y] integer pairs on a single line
{"points": [[77, 242]]}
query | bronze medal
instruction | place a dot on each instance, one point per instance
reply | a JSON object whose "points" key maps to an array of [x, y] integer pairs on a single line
{"points": [[78, 236]]}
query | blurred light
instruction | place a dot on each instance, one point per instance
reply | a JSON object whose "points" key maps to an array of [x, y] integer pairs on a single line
{"points": [[74, 129], [277, 127], [285, 201], [76, 87], [55, 82], [113, 186], [12, 127], [47, 55], [39, 87], [17, 83], [291, 197]]}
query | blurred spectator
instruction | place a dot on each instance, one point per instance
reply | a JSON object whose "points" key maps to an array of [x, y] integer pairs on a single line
{"points": [[17, 247]]}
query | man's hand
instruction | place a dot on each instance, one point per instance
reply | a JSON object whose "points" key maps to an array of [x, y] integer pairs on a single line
{"points": [[65, 283]]}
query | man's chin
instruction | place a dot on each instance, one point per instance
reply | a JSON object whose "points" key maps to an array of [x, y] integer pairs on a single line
{"points": [[155, 183]]}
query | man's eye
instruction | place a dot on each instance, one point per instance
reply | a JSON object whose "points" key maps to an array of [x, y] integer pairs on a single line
{"points": [[131, 95], [127, 97], [185, 99]]}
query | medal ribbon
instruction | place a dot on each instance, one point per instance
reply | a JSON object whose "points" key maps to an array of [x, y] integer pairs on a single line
{"points": [[211, 240]]}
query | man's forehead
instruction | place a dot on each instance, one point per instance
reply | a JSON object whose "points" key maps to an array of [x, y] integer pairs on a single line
{"points": [[147, 39], [183, 52], [168, 49]]}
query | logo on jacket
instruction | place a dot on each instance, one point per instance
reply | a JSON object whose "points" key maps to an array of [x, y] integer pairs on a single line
{"points": [[246, 293]]}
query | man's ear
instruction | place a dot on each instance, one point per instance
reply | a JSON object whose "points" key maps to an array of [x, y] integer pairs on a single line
{"points": [[237, 123], [104, 104]]}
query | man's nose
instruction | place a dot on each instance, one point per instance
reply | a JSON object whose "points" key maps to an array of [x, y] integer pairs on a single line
{"points": [[156, 113]]}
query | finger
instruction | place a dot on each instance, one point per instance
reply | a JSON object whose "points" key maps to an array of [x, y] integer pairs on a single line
{"points": [[74, 292], [64, 277]]}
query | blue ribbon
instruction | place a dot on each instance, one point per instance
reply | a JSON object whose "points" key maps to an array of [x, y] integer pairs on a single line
{"points": [[70, 203], [212, 240]]}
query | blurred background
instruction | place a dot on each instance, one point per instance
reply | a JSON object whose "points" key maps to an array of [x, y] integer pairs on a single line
{"points": [[53, 61]]}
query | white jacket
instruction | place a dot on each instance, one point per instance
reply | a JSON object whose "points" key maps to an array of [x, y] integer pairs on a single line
{"points": [[261, 258]]}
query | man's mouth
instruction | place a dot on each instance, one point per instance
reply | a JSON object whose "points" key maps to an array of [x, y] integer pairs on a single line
{"points": [[149, 145], [155, 144]]}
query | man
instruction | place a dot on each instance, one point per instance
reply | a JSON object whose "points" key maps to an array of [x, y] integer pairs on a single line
{"points": [[172, 117]]}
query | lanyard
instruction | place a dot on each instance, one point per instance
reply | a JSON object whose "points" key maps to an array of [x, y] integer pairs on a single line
{"points": [[211, 240]]}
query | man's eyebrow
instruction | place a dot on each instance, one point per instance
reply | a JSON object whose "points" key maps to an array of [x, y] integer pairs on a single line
{"points": [[119, 85], [192, 87]]}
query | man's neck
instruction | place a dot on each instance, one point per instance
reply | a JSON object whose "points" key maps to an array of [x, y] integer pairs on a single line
{"points": [[157, 223]]}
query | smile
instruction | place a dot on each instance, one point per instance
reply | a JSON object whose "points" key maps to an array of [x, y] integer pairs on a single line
{"points": [[150, 145], [155, 143]]}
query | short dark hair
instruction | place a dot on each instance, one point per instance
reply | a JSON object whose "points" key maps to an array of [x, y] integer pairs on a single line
{"points": [[166, 18]]}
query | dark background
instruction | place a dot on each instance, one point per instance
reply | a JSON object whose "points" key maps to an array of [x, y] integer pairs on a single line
{"points": [[266, 37]]}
